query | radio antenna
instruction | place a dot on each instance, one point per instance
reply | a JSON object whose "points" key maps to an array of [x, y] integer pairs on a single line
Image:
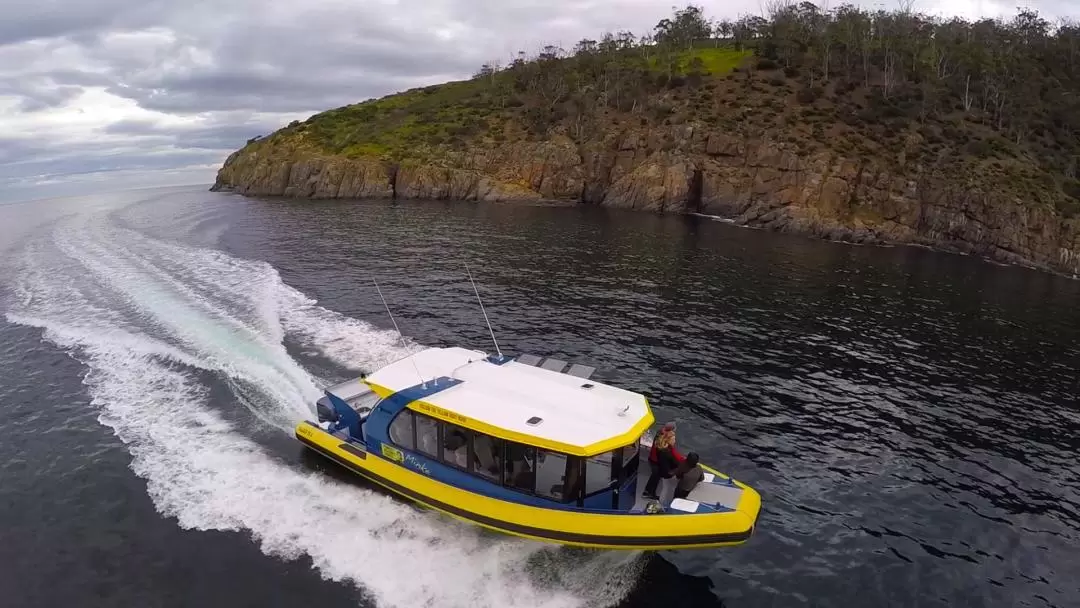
{"points": [[482, 310], [400, 336]]}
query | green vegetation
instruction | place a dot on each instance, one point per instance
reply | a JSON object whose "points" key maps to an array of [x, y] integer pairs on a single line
{"points": [[716, 61], [706, 61], [531, 96], [399, 124], [993, 99]]}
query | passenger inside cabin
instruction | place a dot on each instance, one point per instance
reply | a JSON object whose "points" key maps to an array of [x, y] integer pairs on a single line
{"points": [[689, 475], [571, 488], [484, 451], [455, 446], [520, 464]]}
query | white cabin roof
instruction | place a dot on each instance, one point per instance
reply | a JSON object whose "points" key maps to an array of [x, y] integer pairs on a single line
{"points": [[500, 399]]}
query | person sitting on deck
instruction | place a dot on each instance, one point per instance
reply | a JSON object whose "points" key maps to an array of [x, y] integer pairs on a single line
{"points": [[689, 475], [663, 459]]}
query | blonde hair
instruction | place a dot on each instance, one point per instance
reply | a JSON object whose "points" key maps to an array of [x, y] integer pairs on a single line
{"points": [[665, 440]]}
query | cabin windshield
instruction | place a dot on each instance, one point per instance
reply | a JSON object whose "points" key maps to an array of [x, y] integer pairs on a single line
{"points": [[521, 467]]}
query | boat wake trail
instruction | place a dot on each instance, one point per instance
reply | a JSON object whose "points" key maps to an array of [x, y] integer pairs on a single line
{"points": [[161, 327]]}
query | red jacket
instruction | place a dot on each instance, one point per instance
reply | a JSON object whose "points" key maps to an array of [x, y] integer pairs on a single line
{"points": [[674, 452]]}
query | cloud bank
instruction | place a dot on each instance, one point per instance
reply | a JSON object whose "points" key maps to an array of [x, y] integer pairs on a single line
{"points": [[107, 94]]}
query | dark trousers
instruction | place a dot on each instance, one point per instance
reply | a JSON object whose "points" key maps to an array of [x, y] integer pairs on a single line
{"points": [[654, 478]]}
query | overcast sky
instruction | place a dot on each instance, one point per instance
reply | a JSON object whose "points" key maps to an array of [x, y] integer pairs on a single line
{"points": [[110, 94]]}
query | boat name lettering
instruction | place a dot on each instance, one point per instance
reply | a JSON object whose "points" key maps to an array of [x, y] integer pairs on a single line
{"points": [[417, 464], [441, 413]]}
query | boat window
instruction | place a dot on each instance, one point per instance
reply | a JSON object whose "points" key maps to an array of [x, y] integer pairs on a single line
{"points": [[553, 478], [598, 472], [455, 445], [487, 456], [401, 430], [520, 471], [427, 435]]}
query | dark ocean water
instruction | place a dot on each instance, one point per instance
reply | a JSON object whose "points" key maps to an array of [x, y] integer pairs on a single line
{"points": [[910, 418]]}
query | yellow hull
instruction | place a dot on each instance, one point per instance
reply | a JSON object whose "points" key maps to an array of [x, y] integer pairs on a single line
{"points": [[566, 527]]}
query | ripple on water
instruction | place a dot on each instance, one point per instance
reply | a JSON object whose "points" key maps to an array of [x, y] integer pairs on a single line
{"points": [[910, 418]]}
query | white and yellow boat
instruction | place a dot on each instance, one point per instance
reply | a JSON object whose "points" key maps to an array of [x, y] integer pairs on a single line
{"points": [[522, 447]]}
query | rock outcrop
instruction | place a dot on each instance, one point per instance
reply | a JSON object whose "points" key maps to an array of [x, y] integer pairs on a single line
{"points": [[694, 169]]}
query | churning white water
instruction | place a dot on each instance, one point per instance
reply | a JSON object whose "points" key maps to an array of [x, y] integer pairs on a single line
{"points": [[153, 321]]}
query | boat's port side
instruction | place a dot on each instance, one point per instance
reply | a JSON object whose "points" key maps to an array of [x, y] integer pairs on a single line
{"points": [[504, 469], [520, 449], [571, 525]]}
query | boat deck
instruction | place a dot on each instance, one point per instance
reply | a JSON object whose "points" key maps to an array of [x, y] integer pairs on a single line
{"points": [[714, 490]]}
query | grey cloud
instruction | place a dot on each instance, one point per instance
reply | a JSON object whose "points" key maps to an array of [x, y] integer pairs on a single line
{"points": [[277, 67], [240, 68], [78, 78], [38, 91], [38, 19], [48, 98], [38, 160], [221, 134]]}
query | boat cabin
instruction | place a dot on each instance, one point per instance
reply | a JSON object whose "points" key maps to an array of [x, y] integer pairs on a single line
{"points": [[517, 429]]}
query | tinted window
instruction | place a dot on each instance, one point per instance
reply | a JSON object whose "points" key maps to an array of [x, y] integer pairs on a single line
{"points": [[520, 471], [598, 472], [553, 479], [487, 456], [427, 435], [455, 445], [401, 430]]}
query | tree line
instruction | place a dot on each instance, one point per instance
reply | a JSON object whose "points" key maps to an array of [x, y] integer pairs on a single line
{"points": [[1019, 76]]}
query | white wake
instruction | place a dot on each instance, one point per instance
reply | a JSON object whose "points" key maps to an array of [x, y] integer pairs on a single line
{"points": [[153, 321]]}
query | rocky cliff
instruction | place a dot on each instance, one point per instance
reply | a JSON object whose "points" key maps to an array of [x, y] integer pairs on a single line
{"points": [[763, 137], [695, 169]]}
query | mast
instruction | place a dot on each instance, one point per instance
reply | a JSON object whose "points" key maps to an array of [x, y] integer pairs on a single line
{"points": [[400, 336], [491, 331]]}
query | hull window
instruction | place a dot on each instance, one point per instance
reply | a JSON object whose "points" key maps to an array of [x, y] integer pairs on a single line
{"points": [[598, 473], [551, 474], [524, 468], [455, 446], [487, 456], [520, 470], [401, 430], [427, 436], [558, 476]]}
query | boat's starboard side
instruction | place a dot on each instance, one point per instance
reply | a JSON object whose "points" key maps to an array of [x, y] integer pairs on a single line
{"points": [[569, 526]]}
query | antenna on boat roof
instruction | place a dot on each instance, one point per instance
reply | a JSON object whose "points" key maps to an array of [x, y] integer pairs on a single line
{"points": [[400, 336], [482, 310]]}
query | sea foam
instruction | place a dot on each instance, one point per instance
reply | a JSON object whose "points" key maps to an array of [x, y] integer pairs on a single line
{"points": [[153, 321]]}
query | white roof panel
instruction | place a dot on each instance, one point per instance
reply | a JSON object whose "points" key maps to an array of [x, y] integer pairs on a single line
{"points": [[573, 411]]}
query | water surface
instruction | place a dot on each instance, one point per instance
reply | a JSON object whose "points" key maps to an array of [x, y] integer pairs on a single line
{"points": [[910, 418]]}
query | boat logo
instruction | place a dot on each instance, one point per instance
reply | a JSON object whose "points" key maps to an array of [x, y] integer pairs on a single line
{"points": [[391, 453]]}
